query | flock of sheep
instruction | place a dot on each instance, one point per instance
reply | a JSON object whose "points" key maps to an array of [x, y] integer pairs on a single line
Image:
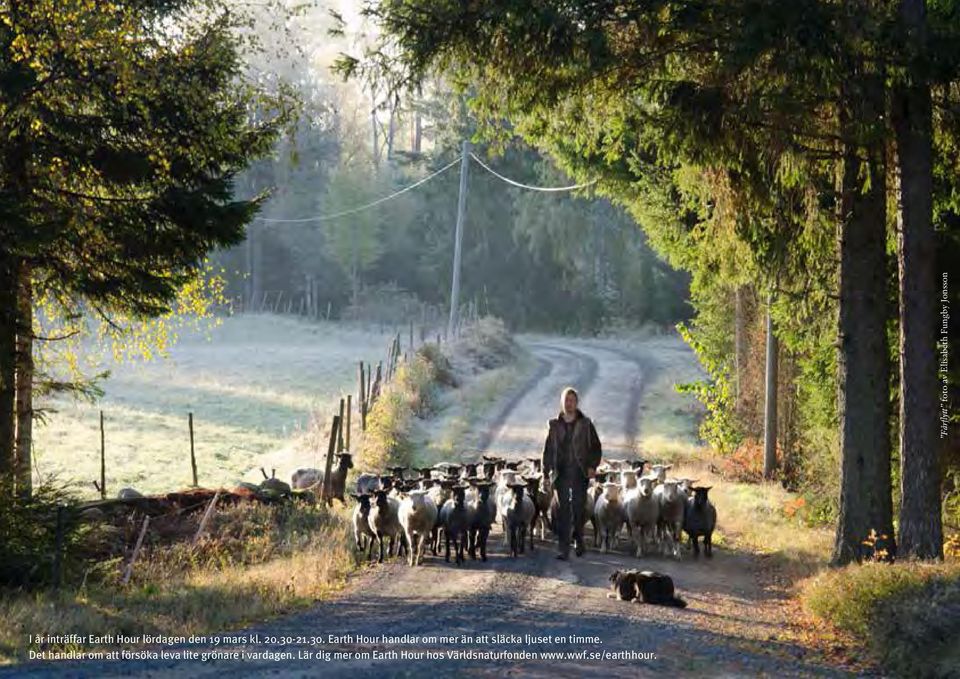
{"points": [[456, 505]]}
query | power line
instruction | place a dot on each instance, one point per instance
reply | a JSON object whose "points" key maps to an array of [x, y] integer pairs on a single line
{"points": [[528, 186], [344, 213]]}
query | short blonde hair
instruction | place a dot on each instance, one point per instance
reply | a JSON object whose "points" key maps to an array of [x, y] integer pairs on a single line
{"points": [[563, 396]]}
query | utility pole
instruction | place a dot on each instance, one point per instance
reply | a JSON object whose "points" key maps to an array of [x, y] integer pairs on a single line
{"points": [[461, 209], [770, 399]]}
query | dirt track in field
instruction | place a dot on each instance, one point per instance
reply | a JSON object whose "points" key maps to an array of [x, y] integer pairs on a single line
{"points": [[735, 624]]}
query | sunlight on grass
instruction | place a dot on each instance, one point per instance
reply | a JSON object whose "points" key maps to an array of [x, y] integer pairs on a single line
{"points": [[222, 583], [253, 386]]}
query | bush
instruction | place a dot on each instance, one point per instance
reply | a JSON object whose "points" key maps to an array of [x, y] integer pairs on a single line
{"points": [[908, 613], [28, 530], [487, 343]]}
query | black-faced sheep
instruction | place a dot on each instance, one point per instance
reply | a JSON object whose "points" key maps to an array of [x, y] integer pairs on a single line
{"points": [[700, 520], [455, 521]]}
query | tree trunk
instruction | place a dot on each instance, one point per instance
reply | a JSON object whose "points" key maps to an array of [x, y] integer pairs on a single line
{"points": [[23, 474], [8, 352], [770, 400], [391, 130], [373, 126], [921, 530], [863, 363], [417, 131], [740, 344]]}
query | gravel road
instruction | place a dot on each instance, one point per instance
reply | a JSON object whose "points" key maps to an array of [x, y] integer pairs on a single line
{"points": [[734, 624]]}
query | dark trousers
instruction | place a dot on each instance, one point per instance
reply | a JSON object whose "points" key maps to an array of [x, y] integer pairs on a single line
{"points": [[571, 487]]}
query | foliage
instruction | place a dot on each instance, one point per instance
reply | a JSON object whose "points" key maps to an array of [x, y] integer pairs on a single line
{"points": [[28, 532], [577, 258], [487, 343], [719, 428], [906, 612], [255, 562]]}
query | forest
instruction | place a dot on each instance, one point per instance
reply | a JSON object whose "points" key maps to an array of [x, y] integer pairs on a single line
{"points": [[800, 161], [736, 221]]}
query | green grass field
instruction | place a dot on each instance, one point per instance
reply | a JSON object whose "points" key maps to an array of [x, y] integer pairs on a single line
{"points": [[253, 384]]}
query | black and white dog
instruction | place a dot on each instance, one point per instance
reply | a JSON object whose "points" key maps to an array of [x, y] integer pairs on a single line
{"points": [[648, 587]]}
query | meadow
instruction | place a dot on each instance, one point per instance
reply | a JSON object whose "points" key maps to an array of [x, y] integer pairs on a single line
{"points": [[253, 384]]}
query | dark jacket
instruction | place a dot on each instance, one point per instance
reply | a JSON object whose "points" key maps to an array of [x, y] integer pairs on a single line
{"points": [[585, 444]]}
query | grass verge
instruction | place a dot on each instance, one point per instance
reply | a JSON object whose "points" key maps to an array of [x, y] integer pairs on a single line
{"points": [[907, 613], [259, 561]]}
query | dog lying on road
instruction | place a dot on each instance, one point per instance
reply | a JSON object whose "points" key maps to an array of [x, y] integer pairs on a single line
{"points": [[648, 587]]}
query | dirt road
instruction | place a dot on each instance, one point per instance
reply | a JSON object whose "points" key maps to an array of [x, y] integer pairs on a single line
{"points": [[734, 624]]}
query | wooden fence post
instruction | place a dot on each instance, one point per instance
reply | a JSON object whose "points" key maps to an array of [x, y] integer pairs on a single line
{"points": [[206, 516], [328, 467], [340, 430], [349, 412], [363, 399], [103, 461], [193, 456], [136, 551]]}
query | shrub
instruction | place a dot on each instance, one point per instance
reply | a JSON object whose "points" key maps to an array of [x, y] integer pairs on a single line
{"points": [[487, 343], [908, 613], [28, 529]]}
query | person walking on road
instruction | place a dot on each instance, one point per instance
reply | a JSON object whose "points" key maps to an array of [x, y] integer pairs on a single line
{"points": [[570, 458]]}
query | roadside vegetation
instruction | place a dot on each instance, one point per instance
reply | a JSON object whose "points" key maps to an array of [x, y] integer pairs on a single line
{"points": [[907, 613], [394, 426], [254, 561]]}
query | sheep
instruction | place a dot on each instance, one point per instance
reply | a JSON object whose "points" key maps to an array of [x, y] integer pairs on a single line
{"points": [[628, 481], [418, 515], [397, 472], [672, 505], [643, 511], [660, 471], [517, 517], [503, 496], [543, 499], [482, 516], [535, 465], [454, 517], [361, 525], [638, 466], [699, 519], [489, 469], [469, 471], [440, 492], [384, 521], [338, 477], [367, 483], [423, 472], [533, 485], [305, 478], [594, 489], [685, 486], [608, 513]]}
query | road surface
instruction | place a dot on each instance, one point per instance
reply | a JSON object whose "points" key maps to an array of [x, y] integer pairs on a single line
{"points": [[734, 625]]}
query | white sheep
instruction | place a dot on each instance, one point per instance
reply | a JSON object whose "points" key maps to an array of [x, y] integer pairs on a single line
{"points": [[660, 471], [672, 504], [628, 482], [418, 515], [608, 512], [384, 521], [361, 524], [643, 512]]}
